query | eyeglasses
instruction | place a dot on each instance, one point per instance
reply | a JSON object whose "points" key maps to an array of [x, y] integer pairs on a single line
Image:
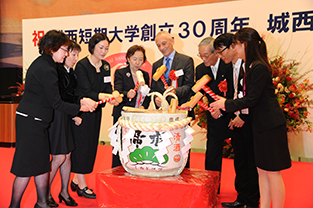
{"points": [[206, 55], [220, 53], [64, 49]]}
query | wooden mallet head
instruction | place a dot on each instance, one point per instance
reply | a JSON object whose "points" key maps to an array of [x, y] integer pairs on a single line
{"points": [[140, 78], [194, 99], [201, 82], [117, 96], [159, 72]]}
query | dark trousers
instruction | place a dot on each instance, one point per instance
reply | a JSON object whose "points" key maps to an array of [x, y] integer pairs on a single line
{"points": [[217, 132], [246, 181]]}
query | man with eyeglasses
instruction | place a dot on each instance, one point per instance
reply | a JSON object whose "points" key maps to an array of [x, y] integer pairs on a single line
{"points": [[246, 181], [217, 130]]}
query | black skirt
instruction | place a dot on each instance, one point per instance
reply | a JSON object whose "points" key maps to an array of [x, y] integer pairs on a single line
{"points": [[60, 134], [86, 139], [271, 149], [31, 155]]}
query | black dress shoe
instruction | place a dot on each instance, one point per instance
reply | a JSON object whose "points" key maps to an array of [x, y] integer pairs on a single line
{"points": [[82, 192], [234, 204], [52, 203], [37, 206], [69, 201], [74, 186]]}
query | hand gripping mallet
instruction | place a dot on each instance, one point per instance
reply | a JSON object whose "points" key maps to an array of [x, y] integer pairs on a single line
{"points": [[140, 81], [115, 95], [196, 99]]}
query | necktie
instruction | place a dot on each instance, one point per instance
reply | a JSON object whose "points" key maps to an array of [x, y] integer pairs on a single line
{"points": [[236, 73], [214, 71], [168, 66]]}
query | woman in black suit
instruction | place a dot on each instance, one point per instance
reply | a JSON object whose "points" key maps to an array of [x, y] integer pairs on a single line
{"points": [[125, 80], [33, 115], [267, 118], [93, 81], [60, 131]]}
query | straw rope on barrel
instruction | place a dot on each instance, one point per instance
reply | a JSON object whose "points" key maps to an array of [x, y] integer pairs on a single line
{"points": [[170, 126]]}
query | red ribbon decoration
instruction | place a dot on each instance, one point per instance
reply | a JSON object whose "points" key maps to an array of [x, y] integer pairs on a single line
{"points": [[172, 75], [222, 86]]}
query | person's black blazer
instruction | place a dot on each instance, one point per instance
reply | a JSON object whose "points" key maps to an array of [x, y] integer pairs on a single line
{"points": [[41, 93], [89, 82], [261, 100], [67, 84], [184, 82], [224, 72], [123, 82]]}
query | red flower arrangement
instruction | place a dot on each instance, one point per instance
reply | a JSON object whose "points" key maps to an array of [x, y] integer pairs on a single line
{"points": [[20, 89], [292, 93]]}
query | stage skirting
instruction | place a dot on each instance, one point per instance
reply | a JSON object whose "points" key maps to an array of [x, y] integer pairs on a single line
{"points": [[192, 188]]}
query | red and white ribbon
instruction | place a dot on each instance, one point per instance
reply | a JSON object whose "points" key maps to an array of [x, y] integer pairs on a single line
{"points": [[164, 81], [205, 106], [210, 92], [105, 100]]}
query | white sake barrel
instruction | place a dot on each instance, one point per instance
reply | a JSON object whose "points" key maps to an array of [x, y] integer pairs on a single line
{"points": [[152, 142]]}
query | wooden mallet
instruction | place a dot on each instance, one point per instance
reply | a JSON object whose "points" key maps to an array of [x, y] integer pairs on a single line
{"points": [[140, 82], [196, 99], [159, 74], [201, 84], [115, 96]]}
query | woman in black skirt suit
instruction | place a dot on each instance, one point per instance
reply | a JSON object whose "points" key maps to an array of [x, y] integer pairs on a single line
{"points": [[33, 115], [93, 81], [125, 80], [60, 131], [267, 118]]}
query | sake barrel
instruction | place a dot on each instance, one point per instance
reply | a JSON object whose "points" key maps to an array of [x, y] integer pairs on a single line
{"points": [[152, 142]]}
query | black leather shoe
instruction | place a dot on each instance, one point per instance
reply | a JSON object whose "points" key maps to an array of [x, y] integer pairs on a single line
{"points": [[82, 192], [52, 203], [37, 206], [69, 201], [74, 186], [236, 204]]}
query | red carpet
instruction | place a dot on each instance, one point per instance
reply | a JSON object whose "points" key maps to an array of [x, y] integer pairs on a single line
{"points": [[298, 181]]}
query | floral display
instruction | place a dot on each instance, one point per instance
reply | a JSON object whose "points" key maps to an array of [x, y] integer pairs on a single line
{"points": [[20, 89], [292, 90]]}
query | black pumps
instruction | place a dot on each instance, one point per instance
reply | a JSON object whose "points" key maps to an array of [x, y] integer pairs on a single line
{"points": [[82, 192]]}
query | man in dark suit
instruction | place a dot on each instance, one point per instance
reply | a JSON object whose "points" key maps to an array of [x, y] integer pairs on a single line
{"points": [[217, 130], [182, 65], [246, 181]]}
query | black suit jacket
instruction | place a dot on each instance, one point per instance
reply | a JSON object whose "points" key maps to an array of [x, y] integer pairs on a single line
{"points": [[89, 82], [184, 82], [41, 93], [123, 82], [224, 72], [261, 100]]}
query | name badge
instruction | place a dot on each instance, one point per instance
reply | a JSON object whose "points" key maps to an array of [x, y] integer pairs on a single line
{"points": [[107, 79], [179, 72]]}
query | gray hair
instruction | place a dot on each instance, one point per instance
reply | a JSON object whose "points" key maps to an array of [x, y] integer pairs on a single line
{"points": [[208, 41]]}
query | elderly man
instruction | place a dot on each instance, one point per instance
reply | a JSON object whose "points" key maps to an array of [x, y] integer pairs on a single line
{"points": [[217, 130]]}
